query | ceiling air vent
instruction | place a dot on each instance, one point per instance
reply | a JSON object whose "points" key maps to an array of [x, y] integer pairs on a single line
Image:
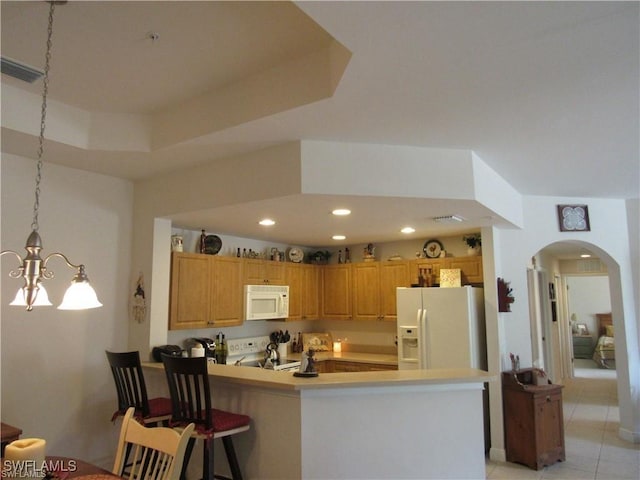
{"points": [[20, 70], [589, 266], [448, 219]]}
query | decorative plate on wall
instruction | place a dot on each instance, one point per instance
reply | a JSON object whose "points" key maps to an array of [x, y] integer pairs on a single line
{"points": [[212, 244], [432, 248]]}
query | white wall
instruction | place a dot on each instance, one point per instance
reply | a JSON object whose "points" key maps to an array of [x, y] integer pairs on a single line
{"points": [[609, 239], [56, 383]]}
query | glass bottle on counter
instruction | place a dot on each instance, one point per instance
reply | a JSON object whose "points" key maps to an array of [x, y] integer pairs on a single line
{"points": [[203, 237], [225, 350]]}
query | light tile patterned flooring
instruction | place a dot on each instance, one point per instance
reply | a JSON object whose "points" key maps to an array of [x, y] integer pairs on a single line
{"points": [[593, 449]]}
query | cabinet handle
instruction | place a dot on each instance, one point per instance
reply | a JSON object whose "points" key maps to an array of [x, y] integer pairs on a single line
{"points": [[548, 398]]}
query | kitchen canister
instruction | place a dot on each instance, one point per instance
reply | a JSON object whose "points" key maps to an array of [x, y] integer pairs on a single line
{"points": [[176, 243], [197, 351]]}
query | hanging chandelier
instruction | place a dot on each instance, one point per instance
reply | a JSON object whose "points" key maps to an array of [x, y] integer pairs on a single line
{"points": [[33, 268]]}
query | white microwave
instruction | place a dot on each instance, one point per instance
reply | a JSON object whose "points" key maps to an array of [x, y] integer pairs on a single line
{"points": [[266, 302]]}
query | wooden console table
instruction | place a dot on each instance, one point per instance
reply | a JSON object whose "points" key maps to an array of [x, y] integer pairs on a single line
{"points": [[9, 434], [533, 420]]}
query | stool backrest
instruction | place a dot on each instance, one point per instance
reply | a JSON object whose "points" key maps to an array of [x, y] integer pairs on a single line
{"points": [[129, 380], [188, 382], [156, 453]]}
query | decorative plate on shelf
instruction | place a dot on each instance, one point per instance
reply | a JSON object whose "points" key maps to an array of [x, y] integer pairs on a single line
{"points": [[432, 248], [296, 254], [212, 244]]}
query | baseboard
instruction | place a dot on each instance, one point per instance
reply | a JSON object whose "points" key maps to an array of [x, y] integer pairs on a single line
{"points": [[628, 435], [498, 454]]}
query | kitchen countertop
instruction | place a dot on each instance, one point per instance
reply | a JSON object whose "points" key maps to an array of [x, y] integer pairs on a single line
{"points": [[286, 381]]}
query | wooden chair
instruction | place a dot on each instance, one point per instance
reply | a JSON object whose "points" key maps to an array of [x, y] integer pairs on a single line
{"points": [[157, 452], [191, 400], [132, 390]]}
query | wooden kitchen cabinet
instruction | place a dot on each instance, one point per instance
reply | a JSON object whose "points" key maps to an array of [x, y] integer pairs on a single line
{"points": [[206, 291], [258, 272], [335, 288], [374, 288], [393, 274], [228, 294], [366, 290], [293, 278], [471, 272], [191, 291], [533, 420], [347, 366], [304, 291], [310, 292]]}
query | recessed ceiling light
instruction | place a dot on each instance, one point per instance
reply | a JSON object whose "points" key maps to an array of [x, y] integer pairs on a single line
{"points": [[266, 222], [339, 237], [408, 230], [341, 211]]}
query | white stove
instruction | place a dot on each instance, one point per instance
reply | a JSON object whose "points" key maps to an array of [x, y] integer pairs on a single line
{"points": [[250, 352]]}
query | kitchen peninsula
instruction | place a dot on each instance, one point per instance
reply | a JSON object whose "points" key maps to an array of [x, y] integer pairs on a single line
{"points": [[386, 424]]}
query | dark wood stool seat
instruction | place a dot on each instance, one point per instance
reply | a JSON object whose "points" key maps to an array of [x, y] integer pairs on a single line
{"points": [[190, 393]]}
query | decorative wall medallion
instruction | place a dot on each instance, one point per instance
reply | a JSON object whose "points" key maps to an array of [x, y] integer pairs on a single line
{"points": [[573, 218]]}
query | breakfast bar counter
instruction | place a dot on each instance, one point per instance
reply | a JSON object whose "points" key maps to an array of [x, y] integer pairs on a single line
{"points": [[383, 424]]}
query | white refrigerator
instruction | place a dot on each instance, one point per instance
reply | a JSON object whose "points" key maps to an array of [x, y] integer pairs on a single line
{"points": [[441, 328]]}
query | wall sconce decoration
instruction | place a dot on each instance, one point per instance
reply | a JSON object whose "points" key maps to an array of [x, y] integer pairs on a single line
{"points": [[573, 218], [505, 299]]}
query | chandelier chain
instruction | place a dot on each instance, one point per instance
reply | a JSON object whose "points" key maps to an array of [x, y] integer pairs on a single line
{"points": [[43, 117]]}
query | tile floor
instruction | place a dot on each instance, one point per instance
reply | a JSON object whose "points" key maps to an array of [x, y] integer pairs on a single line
{"points": [[592, 446]]}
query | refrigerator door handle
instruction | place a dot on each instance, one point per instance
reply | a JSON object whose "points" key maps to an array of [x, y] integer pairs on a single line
{"points": [[422, 341]]}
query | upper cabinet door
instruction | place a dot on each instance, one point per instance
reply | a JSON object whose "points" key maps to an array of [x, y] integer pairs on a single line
{"points": [[366, 290], [336, 292], [258, 272], [393, 274], [228, 293], [190, 291]]}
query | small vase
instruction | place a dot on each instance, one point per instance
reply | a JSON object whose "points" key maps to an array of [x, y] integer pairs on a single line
{"points": [[473, 251]]}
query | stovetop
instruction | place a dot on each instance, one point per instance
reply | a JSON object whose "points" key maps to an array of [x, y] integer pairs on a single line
{"points": [[250, 352]]}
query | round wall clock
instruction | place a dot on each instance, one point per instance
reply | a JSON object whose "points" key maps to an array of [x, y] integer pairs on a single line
{"points": [[296, 254], [432, 248]]}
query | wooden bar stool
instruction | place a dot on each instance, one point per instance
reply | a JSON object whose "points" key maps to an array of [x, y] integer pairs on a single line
{"points": [[132, 390], [190, 393]]}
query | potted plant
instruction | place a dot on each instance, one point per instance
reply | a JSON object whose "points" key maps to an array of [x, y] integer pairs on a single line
{"points": [[321, 257], [474, 242]]}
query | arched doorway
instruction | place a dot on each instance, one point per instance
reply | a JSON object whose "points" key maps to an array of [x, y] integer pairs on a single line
{"points": [[568, 286], [621, 295]]}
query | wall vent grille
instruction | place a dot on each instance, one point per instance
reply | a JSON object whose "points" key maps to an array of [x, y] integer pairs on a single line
{"points": [[448, 219], [20, 71], [589, 266]]}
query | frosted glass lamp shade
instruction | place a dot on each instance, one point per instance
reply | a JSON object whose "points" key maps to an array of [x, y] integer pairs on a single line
{"points": [[79, 296], [42, 298]]}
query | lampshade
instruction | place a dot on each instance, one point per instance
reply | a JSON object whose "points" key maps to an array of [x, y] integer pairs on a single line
{"points": [[42, 298], [79, 296]]}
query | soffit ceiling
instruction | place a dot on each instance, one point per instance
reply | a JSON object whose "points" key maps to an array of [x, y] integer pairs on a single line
{"points": [[546, 93]]}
